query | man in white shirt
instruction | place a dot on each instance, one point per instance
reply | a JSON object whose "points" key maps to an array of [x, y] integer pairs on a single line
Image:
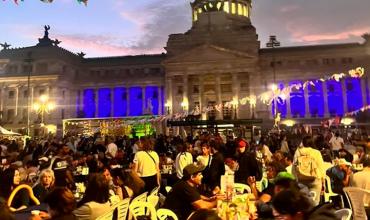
{"points": [[111, 149], [361, 179], [336, 143]]}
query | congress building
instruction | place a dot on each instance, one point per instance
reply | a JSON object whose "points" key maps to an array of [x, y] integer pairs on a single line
{"points": [[219, 60]]}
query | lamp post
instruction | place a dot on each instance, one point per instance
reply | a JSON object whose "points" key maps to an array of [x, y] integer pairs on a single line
{"points": [[273, 43], [28, 61], [43, 106], [235, 103]]}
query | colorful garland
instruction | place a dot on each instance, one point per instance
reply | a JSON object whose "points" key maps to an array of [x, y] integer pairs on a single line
{"points": [[51, 1]]}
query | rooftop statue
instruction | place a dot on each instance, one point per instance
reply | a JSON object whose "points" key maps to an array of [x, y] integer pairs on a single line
{"points": [[5, 46], [46, 41], [47, 28]]}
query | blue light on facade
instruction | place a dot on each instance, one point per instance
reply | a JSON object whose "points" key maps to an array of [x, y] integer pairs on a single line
{"points": [[162, 100], [151, 99], [89, 103], [354, 94], [297, 103], [120, 102], [136, 101], [316, 99], [335, 98], [104, 105]]}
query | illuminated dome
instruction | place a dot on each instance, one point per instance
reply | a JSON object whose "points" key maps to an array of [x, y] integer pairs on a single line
{"points": [[240, 8]]}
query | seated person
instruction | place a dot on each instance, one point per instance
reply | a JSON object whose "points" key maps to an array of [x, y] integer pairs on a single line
{"points": [[119, 177], [10, 179], [340, 175], [45, 185], [61, 203], [96, 199], [184, 197], [294, 205]]}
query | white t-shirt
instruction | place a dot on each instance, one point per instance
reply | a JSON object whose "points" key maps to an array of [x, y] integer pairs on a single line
{"points": [[145, 164], [336, 142], [112, 149], [203, 160], [182, 160]]}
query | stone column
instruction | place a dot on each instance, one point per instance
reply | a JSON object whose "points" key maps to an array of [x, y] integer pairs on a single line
{"points": [[96, 95], [306, 103], [16, 100], [160, 101], [143, 100], [2, 102], [112, 102], [325, 97], [169, 99], [287, 101], [363, 81], [236, 89], [127, 100], [218, 95], [185, 90], [344, 95]]}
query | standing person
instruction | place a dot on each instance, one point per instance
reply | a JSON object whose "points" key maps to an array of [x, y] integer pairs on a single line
{"points": [[183, 158], [45, 185], [146, 165], [248, 164], [111, 149], [336, 143], [284, 145], [217, 167], [308, 167], [361, 179]]}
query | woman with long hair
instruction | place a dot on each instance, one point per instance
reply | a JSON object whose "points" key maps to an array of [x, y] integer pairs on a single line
{"points": [[10, 179], [146, 164], [45, 185], [96, 199]]}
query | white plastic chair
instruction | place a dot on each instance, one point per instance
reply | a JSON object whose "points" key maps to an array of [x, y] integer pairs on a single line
{"points": [[163, 214], [155, 191], [355, 196], [344, 214], [106, 216], [153, 199], [142, 208], [168, 189], [241, 188], [329, 192], [122, 208], [141, 198]]}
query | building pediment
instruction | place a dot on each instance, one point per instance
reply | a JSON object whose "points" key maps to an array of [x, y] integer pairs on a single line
{"points": [[207, 53]]}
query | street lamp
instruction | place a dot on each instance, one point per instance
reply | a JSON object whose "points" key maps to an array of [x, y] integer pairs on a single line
{"points": [[184, 104], [167, 105], [43, 106], [273, 43]]}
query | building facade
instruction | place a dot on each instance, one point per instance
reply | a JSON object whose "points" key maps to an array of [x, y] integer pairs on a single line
{"points": [[218, 60]]}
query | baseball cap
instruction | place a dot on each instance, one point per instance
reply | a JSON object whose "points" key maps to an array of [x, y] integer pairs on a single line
{"points": [[242, 144], [191, 169], [343, 161]]}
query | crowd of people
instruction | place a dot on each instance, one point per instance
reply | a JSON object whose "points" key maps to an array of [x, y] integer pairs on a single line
{"points": [[286, 173]]}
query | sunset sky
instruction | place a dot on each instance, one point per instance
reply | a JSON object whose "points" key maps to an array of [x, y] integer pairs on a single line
{"points": [[129, 27]]}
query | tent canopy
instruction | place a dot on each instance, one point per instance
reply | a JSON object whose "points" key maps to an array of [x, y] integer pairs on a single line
{"points": [[3, 131]]}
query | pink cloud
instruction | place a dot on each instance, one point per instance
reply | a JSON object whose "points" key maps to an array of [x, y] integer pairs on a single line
{"points": [[300, 36], [100, 46]]}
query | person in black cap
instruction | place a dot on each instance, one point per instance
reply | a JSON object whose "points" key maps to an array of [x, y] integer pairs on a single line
{"points": [[184, 197]]}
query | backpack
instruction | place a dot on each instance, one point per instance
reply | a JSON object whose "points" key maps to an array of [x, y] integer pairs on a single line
{"points": [[306, 169]]}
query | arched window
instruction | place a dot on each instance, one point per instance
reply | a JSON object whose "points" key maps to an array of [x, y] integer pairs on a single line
{"points": [[104, 106], [136, 101], [89, 103], [335, 98], [297, 104], [152, 99], [354, 94], [120, 102], [316, 99]]}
